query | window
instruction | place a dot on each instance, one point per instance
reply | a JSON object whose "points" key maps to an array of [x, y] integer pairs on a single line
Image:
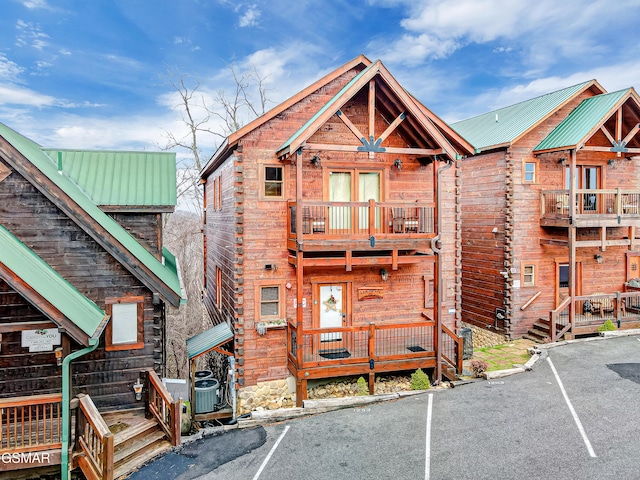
{"points": [[125, 330], [269, 302], [273, 182], [530, 171], [529, 275]]}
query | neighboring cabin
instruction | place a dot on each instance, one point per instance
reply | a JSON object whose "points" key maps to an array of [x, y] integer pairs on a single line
{"points": [[332, 234], [550, 213], [82, 262]]}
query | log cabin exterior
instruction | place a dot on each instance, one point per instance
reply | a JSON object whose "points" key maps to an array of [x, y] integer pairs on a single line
{"points": [[332, 233], [549, 214], [82, 262]]}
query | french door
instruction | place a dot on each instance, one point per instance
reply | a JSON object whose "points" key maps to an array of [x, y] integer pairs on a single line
{"points": [[353, 186]]}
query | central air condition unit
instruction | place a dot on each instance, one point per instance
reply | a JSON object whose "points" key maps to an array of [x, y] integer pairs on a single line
{"points": [[207, 395]]}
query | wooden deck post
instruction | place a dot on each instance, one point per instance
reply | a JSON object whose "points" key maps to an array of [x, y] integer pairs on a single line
{"points": [[301, 391]]}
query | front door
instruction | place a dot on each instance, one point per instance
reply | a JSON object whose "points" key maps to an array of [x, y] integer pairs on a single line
{"points": [[332, 313], [562, 281]]}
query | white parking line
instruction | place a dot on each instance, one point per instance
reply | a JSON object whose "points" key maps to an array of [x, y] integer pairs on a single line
{"points": [[572, 410], [273, 449], [427, 463]]}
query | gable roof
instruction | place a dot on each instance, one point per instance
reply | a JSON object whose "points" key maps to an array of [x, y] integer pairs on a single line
{"points": [[421, 115], [47, 290], [123, 179], [576, 129], [502, 127], [232, 140], [33, 163]]}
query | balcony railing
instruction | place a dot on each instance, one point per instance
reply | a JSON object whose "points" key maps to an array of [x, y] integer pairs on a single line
{"points": [[613, 205], [593, 310], [362, 219]]}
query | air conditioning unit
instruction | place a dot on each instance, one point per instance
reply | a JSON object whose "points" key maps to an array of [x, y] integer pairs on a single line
{"points": [[207, 395]]}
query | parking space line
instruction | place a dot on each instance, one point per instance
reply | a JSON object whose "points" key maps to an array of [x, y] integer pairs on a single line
{"points": [[572, 410], [273, 449], [427, 463]]}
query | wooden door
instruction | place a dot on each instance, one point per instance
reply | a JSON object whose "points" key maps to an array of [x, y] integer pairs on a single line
{"points": [[332, 312]]}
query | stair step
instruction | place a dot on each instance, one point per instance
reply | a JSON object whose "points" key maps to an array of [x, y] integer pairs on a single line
{"points": [[143, 458], [130, 434], [123, 454], [534, 338]]}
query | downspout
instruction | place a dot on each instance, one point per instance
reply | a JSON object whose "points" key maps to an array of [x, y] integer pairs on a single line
{"points": [[435, 242], [66, 410]]}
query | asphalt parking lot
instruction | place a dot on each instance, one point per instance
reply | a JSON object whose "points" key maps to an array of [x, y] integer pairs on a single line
{"points": [[574, 415]]}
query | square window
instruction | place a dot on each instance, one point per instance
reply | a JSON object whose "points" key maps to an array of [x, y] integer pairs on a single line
{"points": [[273, 182], [529, 275], [125, 330]]}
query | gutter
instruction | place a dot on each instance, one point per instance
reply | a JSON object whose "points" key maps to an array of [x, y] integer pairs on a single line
{"points": [[66, 409], [435, 243]]}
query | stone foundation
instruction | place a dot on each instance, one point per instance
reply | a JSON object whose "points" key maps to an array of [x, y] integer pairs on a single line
{"points": [[484, 338], [269, 395]]}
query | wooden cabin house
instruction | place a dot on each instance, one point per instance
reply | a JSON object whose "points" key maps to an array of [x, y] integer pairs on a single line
{"points": [[84, 280], [550, 212], [333, 232]]}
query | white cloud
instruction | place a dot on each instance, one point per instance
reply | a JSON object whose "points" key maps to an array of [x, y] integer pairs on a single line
{"points": [[30, 34], [36, 4], [9, 70], [250, 17], [11, 94]]}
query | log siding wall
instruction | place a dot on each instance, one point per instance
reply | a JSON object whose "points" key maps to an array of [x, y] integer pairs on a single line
{"points": [[107, 376]]}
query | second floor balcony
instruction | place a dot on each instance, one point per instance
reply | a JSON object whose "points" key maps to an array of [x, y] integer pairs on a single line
{"points": [[593, 208], [360, 226]]}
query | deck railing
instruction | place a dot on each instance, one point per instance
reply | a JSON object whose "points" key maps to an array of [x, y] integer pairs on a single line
{"points": [[452, 346], [362, 219], [593, 310], [163, 407], [613, 202], [95, 440], [31, 423], [358, 344]]}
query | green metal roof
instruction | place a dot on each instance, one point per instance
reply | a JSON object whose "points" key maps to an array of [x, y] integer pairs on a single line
{"points": [[574, 129], [502, 126], [46, 165], [49, 284], [205, 341], [121, 178]]}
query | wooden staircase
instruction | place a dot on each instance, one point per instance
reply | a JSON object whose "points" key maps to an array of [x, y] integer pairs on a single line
{"points": [[137, 440], [539, 333]]}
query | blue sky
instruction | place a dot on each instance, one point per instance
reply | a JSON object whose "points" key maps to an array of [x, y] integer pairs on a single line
{"points": [[94, 73]]}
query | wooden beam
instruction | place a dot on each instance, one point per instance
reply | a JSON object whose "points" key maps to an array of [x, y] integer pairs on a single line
{"points": [[341, 115], [619, 127], [554, 242], [631, 133], [372, 108], [20, 326], [607, 134], [392, 127]]}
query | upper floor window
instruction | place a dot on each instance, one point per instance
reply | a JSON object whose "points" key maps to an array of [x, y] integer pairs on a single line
{"points": [[125, 330], [530, 171], [273, 182], [528, 275]]}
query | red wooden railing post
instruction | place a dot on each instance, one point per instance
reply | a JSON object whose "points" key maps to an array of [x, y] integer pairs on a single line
{"points": [[372, 341]]}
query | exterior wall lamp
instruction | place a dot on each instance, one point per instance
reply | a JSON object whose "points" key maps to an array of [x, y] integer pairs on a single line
{"points": [[398, 164], [562, 161], [315, 161], [598, 258], [137, 389], [384, 274]]}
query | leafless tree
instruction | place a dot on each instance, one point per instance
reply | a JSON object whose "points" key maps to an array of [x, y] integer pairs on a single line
{"points": [[207, 118]]}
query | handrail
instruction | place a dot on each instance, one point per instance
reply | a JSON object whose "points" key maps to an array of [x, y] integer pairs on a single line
{"points": [[30, 423], [531, 300], [95, 440], [162, 406], [553, 317], [457, 361]]}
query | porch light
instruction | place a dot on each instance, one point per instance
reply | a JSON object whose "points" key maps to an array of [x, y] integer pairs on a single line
{"points": [[384, 274], [598, 258], [315, 161], [562, 161], [398, 164], [137, 389]]}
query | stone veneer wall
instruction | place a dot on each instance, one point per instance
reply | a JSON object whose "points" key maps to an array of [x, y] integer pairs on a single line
{"points": [[484, 338], [267, 396]]}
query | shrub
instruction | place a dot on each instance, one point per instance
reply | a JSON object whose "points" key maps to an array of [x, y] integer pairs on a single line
{"points": [[363, 387], [607, 326], [420, 380], [479, 367]]}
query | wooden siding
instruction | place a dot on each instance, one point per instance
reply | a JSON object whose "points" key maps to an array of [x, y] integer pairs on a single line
{"points": [[107, 376], [146, 228], [256, 228]]}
